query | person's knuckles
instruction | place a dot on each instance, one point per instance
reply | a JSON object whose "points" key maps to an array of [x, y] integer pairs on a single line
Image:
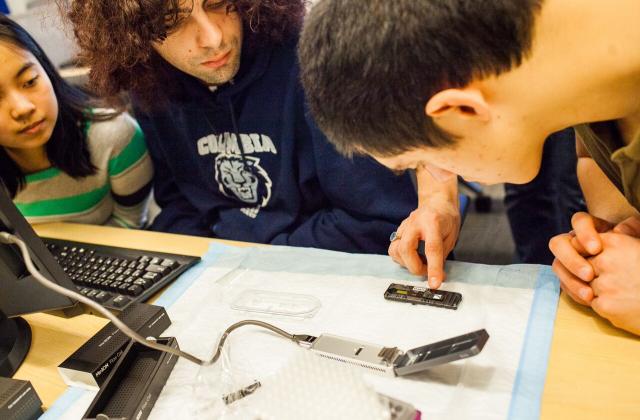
{"points": [[557, 267], [618, 240], [603, 263], [571, 260], [433, 221], [393, 248], [574, 296], [600, 286], [559, 243], [400, 230], [433, 233], [407, 247], [429, 216], [581, 220], [396, 258], [568, 285], [411, 260], [421, 214], [577, 298], [416, 268], [567, 279], [406, 231], [410, 266], [395, 255], [575, 244]]}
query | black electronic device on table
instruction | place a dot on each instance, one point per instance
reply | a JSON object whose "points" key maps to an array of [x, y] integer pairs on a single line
{"points": [[90, 365], [20, 293], [134, 384], [420, 295], [18, 400]]}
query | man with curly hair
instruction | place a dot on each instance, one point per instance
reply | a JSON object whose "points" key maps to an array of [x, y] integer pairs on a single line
{"points": [[215, 87]]}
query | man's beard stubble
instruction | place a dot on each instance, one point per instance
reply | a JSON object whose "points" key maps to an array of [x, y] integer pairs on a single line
{"points": [[227, 72]]}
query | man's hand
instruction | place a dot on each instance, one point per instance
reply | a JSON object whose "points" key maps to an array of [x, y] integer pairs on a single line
{"points": [[616, 286], [606, 275], [437, 222], [572, 251]]}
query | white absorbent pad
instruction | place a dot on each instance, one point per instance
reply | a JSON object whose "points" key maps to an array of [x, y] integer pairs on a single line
{"points": [[515, 304]]}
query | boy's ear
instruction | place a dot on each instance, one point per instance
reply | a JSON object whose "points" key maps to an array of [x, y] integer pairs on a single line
{"points": [[467, 103]]}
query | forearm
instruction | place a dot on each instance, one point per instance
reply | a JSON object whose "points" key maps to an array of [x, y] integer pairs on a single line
{"points": [[603, 199], [430, 189]]}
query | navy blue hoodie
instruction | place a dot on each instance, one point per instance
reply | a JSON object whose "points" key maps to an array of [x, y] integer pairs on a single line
{"points": [[282, 183]]}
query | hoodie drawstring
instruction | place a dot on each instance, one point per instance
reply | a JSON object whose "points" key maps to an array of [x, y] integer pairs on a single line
{"points": [[236, 131]]}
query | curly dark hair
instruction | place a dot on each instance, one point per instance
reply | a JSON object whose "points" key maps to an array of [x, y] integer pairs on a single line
{"points": [[116, 36]]}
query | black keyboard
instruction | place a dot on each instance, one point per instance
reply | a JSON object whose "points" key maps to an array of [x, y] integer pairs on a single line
{"points": [[117, 277]]}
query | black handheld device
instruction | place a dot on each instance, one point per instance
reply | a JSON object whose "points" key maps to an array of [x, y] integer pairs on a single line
{"points": [[18, 400], [420, 295], [134, 384], [445, 351]]}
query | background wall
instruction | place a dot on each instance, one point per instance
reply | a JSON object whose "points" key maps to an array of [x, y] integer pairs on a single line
{"points": [[41, 19]]}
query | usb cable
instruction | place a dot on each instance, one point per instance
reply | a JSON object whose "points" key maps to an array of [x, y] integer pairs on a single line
{"points": [[7, 238]]}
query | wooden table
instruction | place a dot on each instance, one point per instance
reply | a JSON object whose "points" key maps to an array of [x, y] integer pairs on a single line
{"points": [[594, 369]]}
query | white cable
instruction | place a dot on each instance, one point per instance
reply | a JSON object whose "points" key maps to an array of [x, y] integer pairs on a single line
{"points": [[12, 239]]}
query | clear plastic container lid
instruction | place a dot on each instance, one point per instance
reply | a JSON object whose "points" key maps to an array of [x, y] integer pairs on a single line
{"points": [[277, 303]]}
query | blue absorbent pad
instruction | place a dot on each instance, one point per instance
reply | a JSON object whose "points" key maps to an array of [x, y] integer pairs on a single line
{"points": [[493, 282]]}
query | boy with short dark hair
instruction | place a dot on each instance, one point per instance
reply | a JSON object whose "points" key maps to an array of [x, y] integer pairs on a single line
{"points": [[474, 88]]}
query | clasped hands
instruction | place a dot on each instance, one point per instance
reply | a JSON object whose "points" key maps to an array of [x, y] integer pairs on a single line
{"points": [[598, 265]]}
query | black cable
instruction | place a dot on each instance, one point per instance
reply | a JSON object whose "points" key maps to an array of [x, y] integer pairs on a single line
{"points": [[8, 238]]}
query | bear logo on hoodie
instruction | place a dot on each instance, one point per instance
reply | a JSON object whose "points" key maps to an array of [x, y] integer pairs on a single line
{"points": [[243, 179]]}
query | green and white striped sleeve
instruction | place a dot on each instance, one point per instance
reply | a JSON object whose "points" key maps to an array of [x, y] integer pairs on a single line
{"points": [[130, 171]]}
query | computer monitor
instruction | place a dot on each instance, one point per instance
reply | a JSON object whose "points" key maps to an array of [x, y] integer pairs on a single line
{"points": [[20, 293]]}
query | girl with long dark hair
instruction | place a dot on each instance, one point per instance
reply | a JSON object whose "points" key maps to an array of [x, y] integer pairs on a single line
{"points": [[62, 156]]}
